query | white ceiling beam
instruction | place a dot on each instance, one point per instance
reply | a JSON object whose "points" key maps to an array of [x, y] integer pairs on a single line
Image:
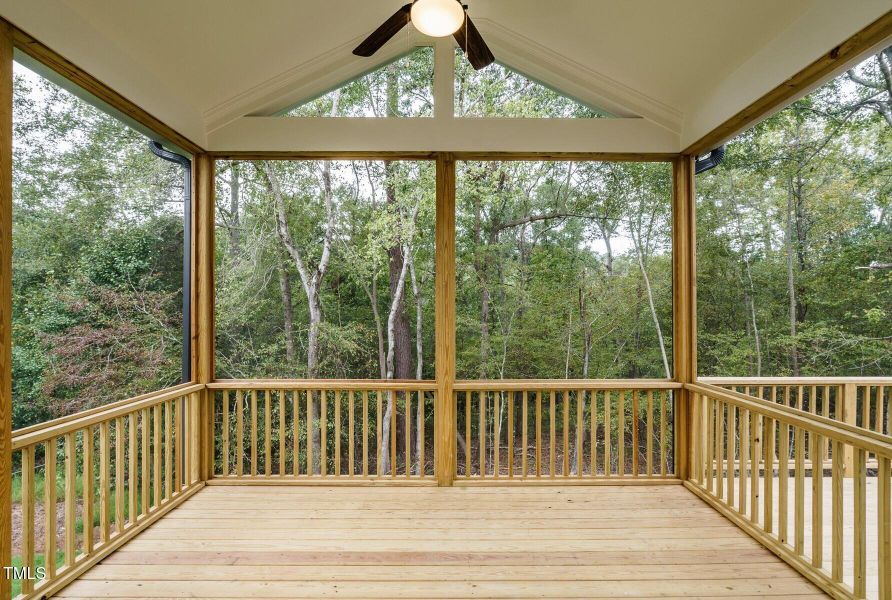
{"points": [[284, 134]]}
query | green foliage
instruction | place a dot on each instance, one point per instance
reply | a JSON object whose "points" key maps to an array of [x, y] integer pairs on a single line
{"points": [[97, 257], [811, 184]]}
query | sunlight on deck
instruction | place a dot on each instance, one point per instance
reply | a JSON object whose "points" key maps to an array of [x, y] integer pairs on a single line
{"points": [[370, 542]]}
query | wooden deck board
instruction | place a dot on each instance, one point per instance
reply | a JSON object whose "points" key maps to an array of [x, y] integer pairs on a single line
{"points": [[597, 542]]}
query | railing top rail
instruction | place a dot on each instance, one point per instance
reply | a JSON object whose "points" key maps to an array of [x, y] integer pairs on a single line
{"points": [[46, 431], [511, 385], [324, 384], [796, 380], [837, 430], [97, 409]]}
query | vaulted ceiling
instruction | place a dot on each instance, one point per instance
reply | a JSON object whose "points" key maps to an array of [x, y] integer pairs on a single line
{"points": [[685, 65]]}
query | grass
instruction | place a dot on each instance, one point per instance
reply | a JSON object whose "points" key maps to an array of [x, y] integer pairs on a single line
{"points": [[39, 561]]}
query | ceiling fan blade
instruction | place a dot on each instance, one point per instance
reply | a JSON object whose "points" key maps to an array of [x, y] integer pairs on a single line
{"points": [[470, 41], [387, 30]]}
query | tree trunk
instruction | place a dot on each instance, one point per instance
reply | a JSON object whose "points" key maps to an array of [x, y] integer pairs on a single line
{"points": [[234, 212], [791, 280], [653, 310], [288, 313], [419, 362], [372, 293]]}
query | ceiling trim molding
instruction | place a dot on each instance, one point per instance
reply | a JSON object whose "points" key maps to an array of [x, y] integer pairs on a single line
{"points": [[338, 65], [574, 79], [307, 80]]}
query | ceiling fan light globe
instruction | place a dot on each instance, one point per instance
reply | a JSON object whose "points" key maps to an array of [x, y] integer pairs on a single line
{"points": [[437, 18]]}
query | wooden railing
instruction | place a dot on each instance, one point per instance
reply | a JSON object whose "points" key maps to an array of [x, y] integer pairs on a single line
{"points": [[861, 401], [344, 430], [118, 468], [750, 461], [563, 430]]}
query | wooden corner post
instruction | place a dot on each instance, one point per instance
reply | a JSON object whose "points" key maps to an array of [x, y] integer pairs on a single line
{"points": [[5, 306], [684, 304], [444, 428], [202, 326]]}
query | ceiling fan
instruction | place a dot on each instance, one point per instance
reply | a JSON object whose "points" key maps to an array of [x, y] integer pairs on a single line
{"points": [[436, 18]]}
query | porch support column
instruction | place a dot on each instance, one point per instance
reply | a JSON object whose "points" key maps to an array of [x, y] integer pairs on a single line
{"points": [[203, 302], [5, 305], [684, 304], [444, 307]]}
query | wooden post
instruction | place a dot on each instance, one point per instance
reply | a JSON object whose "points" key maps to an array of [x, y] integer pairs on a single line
{"points": [[202, 326], [850, 416], [444, 428], [5, 304], [684, 311]]}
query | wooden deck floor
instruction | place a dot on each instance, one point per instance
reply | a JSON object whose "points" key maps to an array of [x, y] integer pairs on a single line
{"points": [[532, 542]]}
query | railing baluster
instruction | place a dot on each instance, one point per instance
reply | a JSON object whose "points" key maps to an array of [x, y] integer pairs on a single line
{"points": [[337, 433], [379, 422], [719, 450], [634, 449], [323, 434], [711, 410], [224, 434], [267, 432], [295, 442], [350, 434], [648, 443], [104, 484], [608, 442], [88, 489], [70, 499], [253, 432], [407, 402], [538, 433], [481, 433], [731, 452], [131, 468], [510, 444], [768, 443], [49, 508], [144, 476], [179, 420], [860, 523], [621, 433], [365, 433], [817, 500], [168, 451], [496, 433], [28, 517], [393, 411], [746, 468], [593, 432], [421, 441], [799, 490], [884, 523], [552, 433], [755, 458], [282, 432], [664, 445], [524, 439], [156, 454], [311, 470], [119, 475], [783, 475], [468, 395], [565, 432], [836, 542]]}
